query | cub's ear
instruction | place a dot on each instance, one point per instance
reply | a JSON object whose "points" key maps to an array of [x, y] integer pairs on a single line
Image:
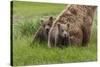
{"points": [[42, 21], [51, 18]]}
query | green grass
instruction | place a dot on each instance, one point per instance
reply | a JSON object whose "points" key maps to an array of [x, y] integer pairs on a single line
{"points": [[26, 21]]}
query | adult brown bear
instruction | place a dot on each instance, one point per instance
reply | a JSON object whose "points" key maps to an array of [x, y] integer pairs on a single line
{"points": [[85, 15], [80, 17]]}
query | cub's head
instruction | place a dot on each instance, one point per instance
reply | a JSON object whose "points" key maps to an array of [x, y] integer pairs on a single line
{"points": [[46, 24], [63, 29]]}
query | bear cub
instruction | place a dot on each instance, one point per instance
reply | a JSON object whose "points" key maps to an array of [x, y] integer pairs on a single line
{"points": [[42, 34], [59, 36]]}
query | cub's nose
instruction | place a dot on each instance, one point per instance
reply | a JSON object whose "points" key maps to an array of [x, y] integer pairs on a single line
{"points": [[47, 30], [66, 34]]}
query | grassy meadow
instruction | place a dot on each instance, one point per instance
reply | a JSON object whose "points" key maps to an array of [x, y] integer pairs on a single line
{"points": [[26, 20]]}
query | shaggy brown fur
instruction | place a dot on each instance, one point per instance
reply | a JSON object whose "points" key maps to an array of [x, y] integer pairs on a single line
{"points": [[80, 17], [76, 34], [42, 33], [85, 15], [59, 35]]}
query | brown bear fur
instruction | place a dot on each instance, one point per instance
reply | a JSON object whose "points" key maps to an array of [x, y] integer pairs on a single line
{"points": [[76, 34], [80, 17], [86, 14], [42, 33], [59, 35]]}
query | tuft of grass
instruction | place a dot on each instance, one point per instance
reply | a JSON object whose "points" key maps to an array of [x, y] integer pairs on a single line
{"points": [[26, 27], [28, 17]]}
